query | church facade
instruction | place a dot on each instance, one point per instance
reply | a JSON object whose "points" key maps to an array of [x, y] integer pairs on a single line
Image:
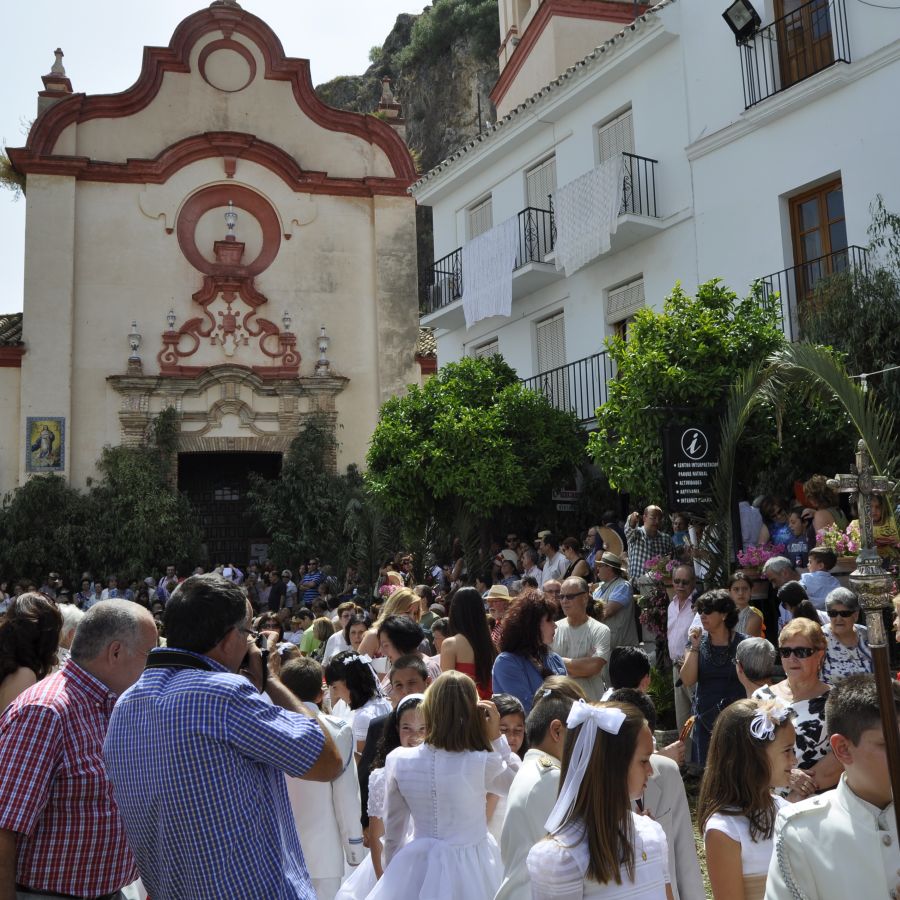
{"points": [[213, 239]]}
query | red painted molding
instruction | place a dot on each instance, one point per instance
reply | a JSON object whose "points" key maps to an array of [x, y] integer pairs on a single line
{"points": [[11, 357], [244, 199], [427, 364], [595, 10], [175, 58], [226, 44], [228, 145]]}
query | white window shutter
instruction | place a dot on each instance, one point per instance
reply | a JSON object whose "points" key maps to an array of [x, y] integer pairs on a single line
{"points": [[541, 183], [624, 301], [481, 218], [616, 136], [488, 349], [551, 355]]}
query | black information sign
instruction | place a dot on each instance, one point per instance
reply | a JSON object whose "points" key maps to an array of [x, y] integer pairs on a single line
{"points": [[690, 459]]}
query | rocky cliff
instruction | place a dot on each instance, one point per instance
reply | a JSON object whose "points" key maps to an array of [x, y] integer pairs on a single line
{"points": [[441, 82], [441, 72]]}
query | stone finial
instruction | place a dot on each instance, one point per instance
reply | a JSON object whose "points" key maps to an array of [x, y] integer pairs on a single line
{"points": [[387, 95], [389, 109], [233, 4], [56, 83], [58, 68]]}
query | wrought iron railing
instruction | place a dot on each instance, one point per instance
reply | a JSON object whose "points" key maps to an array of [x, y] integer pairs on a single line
{"points": [[639, 197], [580, 386], [805, 41], [537, 235], [797, 285], [441, 283]]}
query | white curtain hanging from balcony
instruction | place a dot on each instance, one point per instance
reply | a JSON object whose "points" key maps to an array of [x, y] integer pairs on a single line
{"points": [[586, 213], [487, 267]]}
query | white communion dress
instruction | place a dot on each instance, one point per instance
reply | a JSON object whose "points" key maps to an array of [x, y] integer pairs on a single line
{"points": [[557, 866], [451, 855], [362, 879]]}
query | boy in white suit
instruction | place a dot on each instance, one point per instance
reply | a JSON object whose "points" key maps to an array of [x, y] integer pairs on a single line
{"points": [[843, 843], [326, 815], [533, 791]]}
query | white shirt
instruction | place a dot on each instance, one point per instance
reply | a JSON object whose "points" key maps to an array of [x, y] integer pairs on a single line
{"points": [[679, 619], [558, 864], [755, 855], [372, 709], [554, 568], [592, 638], [334, 645]]}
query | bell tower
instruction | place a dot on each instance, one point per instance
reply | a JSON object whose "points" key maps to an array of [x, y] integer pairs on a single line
{"points": [[540, 39]]}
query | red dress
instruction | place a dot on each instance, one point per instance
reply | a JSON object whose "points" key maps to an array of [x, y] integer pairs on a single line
{"points": [[484, 691]]}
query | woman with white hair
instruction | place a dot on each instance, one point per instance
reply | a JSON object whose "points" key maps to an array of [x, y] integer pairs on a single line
{"points": [[71, 616], [848, 650]]}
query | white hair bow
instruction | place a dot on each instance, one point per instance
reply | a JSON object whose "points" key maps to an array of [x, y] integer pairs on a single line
{"points": [[407, 699], [592, 719], [768, 716]]}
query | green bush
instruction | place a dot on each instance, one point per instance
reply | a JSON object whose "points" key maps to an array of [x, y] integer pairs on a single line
{"points": [[439, 25]]}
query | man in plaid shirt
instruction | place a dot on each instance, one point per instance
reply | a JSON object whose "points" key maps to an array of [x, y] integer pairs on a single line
{"points": [[60, 831], [646, 541]]}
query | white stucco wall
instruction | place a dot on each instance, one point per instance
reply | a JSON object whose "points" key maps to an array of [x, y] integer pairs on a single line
{"points": [[724, 174]]}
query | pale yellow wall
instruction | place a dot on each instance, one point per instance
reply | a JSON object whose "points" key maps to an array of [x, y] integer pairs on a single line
{"points": [[12, 433], [98, 256], [328, 273], [49, 321], [561, 44], [186, 105]]}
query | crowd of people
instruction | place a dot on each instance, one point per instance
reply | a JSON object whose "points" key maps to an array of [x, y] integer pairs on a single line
{"points": [[476, 735]]}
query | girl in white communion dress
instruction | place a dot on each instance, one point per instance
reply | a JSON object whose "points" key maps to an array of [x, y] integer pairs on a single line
{"points": [[598, 847], [442, 785]]}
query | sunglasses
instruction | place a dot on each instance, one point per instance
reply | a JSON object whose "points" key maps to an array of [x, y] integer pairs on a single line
{"points": [[708, 610], [843, 613], [799, 652], [571, 596]]}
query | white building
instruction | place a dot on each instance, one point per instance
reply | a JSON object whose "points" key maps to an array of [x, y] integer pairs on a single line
{"points": [[740, 160]]}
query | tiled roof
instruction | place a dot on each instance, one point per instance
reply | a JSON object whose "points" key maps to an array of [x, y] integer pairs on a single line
{"points": [[587, 62], [10, 329], [426, 346]]}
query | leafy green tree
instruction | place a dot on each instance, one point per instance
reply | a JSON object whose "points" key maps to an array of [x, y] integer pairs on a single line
{"points": [[682, 360], [131, 521], [44, 526], [304, 510], [469, 443], [139, 520], [857, 312]]}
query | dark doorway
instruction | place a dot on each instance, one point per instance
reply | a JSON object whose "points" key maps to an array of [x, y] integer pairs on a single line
{"points": [[216, 484]]}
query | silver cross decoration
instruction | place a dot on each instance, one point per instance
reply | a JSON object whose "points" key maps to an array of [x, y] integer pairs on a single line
{"points": [[863, 482]]}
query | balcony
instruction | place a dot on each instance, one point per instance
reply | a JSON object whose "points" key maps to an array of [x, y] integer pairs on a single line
{"points": [[797, 285], [807, 40], [534, 268], [579, 386], [441, 285]]}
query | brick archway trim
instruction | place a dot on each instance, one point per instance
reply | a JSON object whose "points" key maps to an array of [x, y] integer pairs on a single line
{"points": [[226, 21]]}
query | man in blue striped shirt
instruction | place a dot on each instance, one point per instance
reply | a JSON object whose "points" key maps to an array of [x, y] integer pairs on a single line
{"points": [[197, 757]]}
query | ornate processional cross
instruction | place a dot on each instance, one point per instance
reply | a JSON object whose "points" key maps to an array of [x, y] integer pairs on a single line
{"points": [[864, 482]]}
